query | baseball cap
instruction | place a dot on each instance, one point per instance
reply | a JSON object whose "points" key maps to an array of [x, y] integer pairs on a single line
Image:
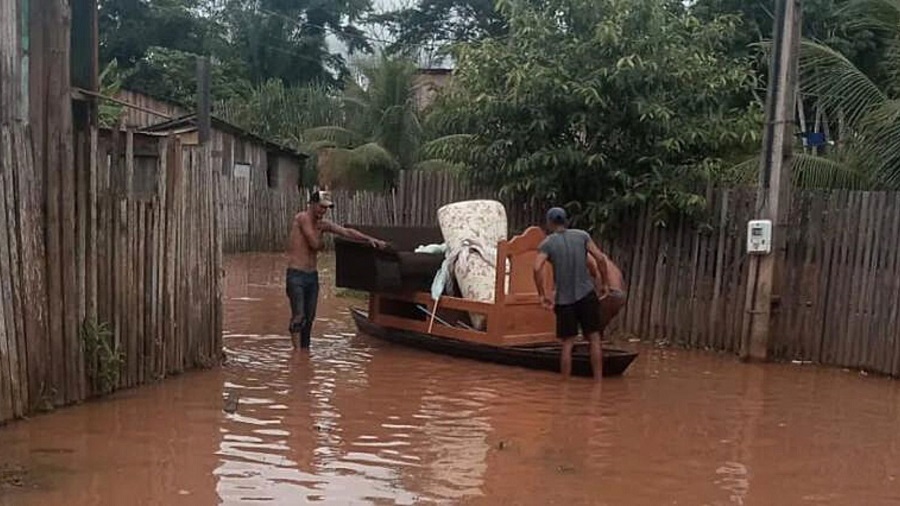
{"points": [[322, 198], [556, 215]]}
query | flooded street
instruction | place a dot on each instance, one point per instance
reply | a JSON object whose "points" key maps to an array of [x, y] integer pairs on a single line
{"points": [[361, 421]]}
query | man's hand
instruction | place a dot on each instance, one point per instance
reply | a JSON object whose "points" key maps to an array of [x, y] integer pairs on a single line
{"points": [[377, 244], [546, 303]]}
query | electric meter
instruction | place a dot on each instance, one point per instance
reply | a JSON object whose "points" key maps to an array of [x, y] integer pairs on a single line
{"points": [[759, 237]]}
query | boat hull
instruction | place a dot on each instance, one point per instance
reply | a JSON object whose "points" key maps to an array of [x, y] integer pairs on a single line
{"points": [[546, 358]]}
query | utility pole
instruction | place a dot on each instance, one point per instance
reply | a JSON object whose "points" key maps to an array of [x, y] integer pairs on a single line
{"points": [[773, 194], [203, 99]]}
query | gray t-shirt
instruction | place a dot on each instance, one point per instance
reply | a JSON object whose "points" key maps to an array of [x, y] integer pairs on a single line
{"points": [[567, 251]]}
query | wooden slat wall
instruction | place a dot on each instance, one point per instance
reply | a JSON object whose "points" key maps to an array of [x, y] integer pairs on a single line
{"points": [[137, 118], [149, 266]]}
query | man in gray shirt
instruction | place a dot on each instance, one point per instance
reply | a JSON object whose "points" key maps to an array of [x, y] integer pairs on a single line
{"points": [[576, 304]]}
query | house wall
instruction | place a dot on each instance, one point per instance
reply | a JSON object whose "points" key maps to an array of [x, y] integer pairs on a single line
{"points": [[254, 216], [140, 119]]}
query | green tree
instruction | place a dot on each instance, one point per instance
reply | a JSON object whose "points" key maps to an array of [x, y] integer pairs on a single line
{"points": [[600, 104], [171, 75], [824, 21], [286, 40], [434, 24], [156, 42]]}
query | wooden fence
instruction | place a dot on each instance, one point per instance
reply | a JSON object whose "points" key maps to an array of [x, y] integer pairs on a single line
{"points": [[838, 293], [129, 239], [261, 220], [838, 289]]}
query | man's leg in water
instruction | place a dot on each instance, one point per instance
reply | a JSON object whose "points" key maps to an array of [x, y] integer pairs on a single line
{"points": [[566, 331], [294, 288], [596, 355], [565, 357], [310, 305], [589, 316]]}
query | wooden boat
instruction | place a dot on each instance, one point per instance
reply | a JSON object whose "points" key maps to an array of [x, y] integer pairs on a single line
{"points": [[545, 358], [516, 331]]}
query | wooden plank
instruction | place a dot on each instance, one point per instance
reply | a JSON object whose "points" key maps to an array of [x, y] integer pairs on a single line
{"points": [[141, 257], [219, 272], [840, 305], [16, 331], [813, 261], [172, 225], [10, 400], [80, 230], [31, 214], [54, 278], [880, 326], [828, 253], [853, 346], [92, 233], [893, 275], [870, 347], [69, 267], [718, 274]]}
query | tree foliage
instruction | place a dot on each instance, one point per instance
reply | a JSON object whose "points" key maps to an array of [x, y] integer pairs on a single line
{"points": [[603, 103], [156, 42], [824, 21], [431, 25]]}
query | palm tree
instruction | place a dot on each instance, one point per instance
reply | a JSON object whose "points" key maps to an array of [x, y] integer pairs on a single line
{"points": [[381, 133]]}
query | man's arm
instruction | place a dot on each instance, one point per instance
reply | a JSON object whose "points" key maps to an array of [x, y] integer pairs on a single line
{"points": [[601, 259], [539, 262], [352, 234], [313, 236]]}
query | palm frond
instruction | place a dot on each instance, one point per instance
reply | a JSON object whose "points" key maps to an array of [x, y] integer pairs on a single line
{"points": [[811, 171], [371, 156], [340, 136], [833, 172], [837, 83], [455, 147], [439, 165], [874, 15]]}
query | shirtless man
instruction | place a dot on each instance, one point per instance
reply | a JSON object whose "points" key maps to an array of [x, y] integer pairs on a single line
{"points": [[610, 286], [303, 248]]}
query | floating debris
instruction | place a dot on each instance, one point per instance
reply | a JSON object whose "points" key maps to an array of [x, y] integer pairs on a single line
{"points": [[12, 476], [232, 402]]}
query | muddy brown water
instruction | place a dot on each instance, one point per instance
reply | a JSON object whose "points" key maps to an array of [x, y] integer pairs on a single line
{"points": [[360, 421]]}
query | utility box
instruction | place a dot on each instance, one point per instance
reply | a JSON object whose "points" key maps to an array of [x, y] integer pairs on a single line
{"points": [[759, 237]]}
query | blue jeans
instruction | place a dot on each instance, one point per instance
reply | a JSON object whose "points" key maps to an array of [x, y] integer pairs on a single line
{"points": [[303, 292]]}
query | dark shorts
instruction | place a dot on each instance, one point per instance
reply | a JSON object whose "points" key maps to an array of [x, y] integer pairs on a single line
{"points": [[584, 315]]}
